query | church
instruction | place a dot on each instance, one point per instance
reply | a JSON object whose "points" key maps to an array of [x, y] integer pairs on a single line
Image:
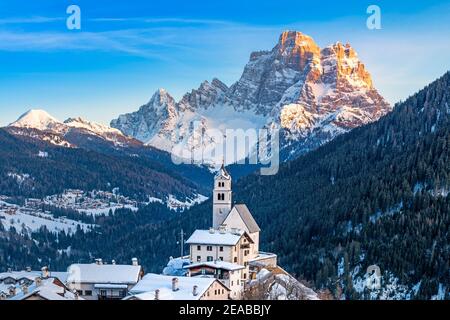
{"points": [[229, 250]]}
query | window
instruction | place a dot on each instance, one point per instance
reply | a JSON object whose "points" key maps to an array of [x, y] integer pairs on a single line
{"points": [[88, 292], [199, 248], [220, 196], [235, 259], [221, 249], [221, 258], [232, 283], [245, 253], [199, 258], [209, 248], [123, 293], [245, 276], [80, 292], [209, 258], [215, 292]]}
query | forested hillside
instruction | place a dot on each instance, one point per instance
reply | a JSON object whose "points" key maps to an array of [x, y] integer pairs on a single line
{"points": [[33, 168]]}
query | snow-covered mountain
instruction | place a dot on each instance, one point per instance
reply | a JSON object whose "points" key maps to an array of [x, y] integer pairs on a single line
{"points": [[37, 119], [312, 94], [39, 124]]}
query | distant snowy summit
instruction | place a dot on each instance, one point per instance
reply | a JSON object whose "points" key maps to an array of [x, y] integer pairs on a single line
{"points": [[53, 131], [312, 94]]}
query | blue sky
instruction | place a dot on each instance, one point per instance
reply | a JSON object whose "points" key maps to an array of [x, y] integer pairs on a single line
{"points": [[126, 50]]}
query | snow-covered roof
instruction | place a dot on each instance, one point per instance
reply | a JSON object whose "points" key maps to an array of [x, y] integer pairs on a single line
{"points": [[62, 276], [32, 275], [103, 273], [216, 237], [47, 290], [110, 286], [223, 173], [247, 217], [145, 289], [175, 266], [218, 264], [17, 275]]}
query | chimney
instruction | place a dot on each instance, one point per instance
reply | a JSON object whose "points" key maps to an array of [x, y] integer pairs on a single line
{"points": [[157, 294], [175, 284], [25, 289], [75, 294], [98, 261], [222, 229], [28, 269], [9, 270], [113, 262], [195, 291], [44, 272], [38, 281], [134, 262], [12, 291], [211, 230]]}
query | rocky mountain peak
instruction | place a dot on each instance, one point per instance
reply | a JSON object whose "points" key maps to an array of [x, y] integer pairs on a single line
{"points": [[207, 94], [342, 63], [161, 97], [296, 50]]}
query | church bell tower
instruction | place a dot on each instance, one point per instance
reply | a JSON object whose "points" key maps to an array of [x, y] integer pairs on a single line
{"points": [[221, 196]]}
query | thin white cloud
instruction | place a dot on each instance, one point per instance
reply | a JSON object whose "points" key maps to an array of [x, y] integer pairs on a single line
{"points": [[174, 20], [29, 20]]}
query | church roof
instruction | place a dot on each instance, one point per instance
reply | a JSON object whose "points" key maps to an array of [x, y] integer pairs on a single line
{"points": [[247, 217], [215, 237], [223, 173]]}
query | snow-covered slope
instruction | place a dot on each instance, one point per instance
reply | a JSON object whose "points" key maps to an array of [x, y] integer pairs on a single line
{"points": [[312, 94], [27, 220], [41, 125], [37, 119]]}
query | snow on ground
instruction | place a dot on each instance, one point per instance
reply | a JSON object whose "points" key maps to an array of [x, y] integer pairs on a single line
{"points": [[440, 294], [92, 203], [282, 286], [174, 204], [204, 134], [26, 220], [106, 210], [175, 266], [286, 287], [20, 178], [391, 288]]}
